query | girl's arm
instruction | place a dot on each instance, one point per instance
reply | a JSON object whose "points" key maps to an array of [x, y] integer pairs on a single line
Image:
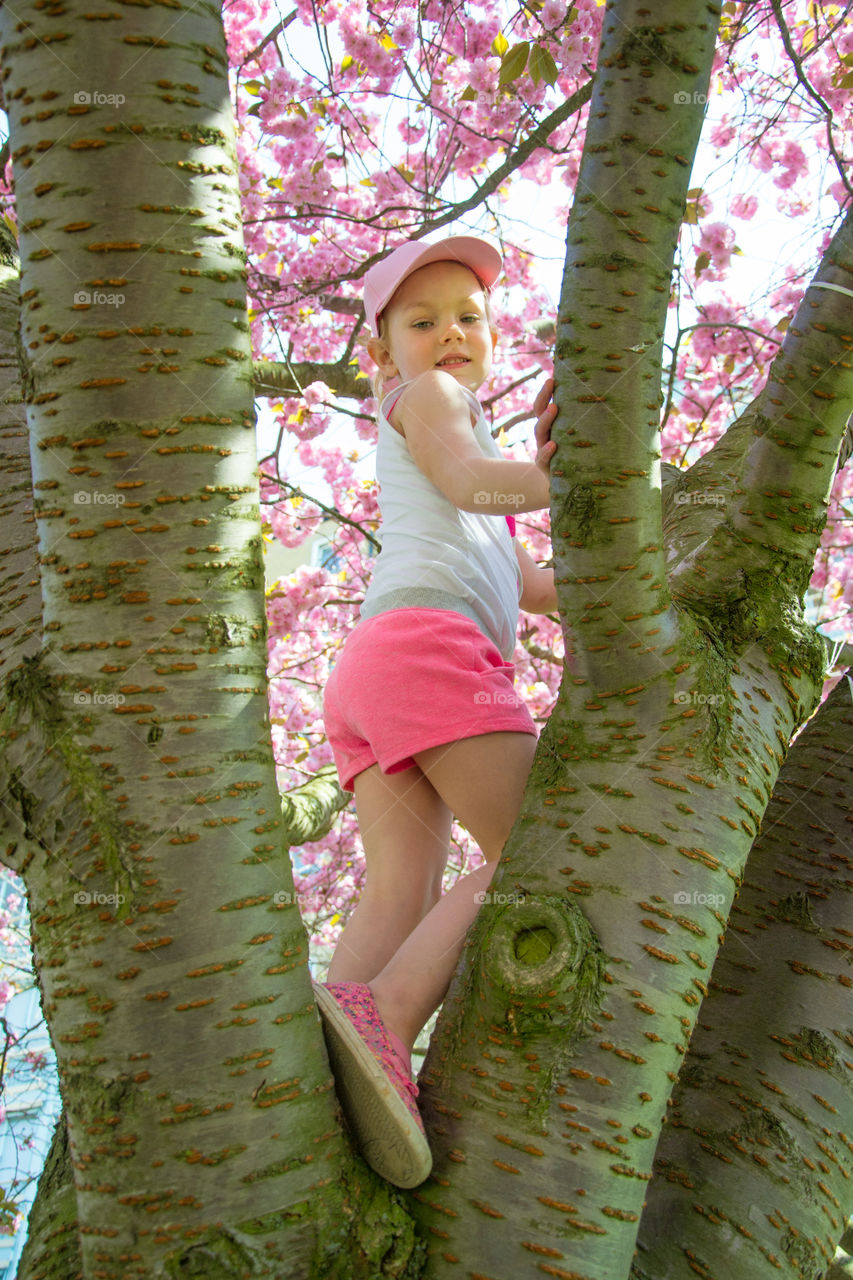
{"points": [[538, 593], [435, 419]]}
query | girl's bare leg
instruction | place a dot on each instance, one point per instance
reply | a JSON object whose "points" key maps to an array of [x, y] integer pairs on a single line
{"points": [[405, 831], [481, 780]]}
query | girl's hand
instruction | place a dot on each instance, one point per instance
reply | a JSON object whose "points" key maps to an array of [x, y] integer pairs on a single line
{"points": [[546, 412]]}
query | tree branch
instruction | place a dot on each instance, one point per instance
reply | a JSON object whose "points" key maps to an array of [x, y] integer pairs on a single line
{"points": [[644, 126], [253, 54], [309, 810], [331, 512], [290, 378]]}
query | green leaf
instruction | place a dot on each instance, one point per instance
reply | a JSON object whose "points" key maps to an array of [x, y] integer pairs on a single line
{"points": [[468, 95], [254, 87], [500, 44], [703, 261], [542, 66], [513, 63]]}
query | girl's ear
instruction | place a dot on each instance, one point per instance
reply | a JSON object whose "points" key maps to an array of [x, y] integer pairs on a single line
{"points": [[380, 354]]}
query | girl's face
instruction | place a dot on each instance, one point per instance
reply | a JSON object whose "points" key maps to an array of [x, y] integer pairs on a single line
{"points": [[437, 319]]}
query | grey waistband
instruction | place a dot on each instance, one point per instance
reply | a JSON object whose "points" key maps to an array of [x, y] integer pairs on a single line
{"points": [[423, 598]]}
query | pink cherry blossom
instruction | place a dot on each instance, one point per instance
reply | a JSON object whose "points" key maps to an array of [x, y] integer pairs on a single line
{"points": [[744, 206], [718, 240]]}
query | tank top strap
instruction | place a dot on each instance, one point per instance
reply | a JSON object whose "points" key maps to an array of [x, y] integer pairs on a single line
{"points": [[390, 398]]}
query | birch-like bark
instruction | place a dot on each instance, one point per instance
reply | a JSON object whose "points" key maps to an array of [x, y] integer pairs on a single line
{"points": [[753, 1168], [53, 1241], [20, 594], [139, 784]]}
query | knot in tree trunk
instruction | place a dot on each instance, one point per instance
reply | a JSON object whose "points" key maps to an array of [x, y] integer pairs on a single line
{"points": [[542, 963]]}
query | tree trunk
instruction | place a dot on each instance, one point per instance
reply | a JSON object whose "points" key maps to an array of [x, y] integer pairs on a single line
{"points": [[53, 1243], [144, 815], [754, 1164]]}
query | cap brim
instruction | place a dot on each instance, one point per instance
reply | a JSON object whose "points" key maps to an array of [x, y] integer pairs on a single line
{"points": [[469, 251]]}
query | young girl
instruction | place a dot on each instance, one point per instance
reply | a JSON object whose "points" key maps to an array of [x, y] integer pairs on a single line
{"points": [[420, 708]]}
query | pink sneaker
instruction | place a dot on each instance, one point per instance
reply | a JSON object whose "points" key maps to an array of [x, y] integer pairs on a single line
{"points": [[373, 1084]]}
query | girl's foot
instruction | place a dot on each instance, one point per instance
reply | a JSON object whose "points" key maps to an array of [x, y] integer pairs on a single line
{"points": [[373, 1085]]}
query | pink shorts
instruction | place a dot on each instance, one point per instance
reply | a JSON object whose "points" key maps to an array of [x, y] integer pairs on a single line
{"points": [[411, 679]]}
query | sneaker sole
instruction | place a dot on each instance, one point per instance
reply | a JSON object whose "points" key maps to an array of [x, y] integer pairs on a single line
{"points": [[387, 1135]]}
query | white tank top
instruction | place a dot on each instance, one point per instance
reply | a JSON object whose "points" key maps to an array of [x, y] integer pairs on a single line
{"points": [[434, 555]]}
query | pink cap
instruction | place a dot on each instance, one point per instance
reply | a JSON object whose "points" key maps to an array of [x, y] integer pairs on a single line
{"points": [[382, 281]]}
